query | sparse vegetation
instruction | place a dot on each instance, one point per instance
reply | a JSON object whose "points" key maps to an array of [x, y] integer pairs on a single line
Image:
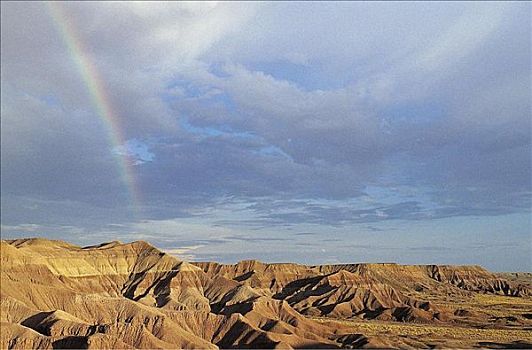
{"points": [[428, 332]]}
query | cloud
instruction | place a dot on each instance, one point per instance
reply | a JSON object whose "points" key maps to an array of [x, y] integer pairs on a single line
{"points": [[21, 228], [257, 116], [183, 253], [327, 142]]}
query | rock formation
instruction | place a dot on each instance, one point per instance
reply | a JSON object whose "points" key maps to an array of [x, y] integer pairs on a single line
{"points": [[114, 295]]}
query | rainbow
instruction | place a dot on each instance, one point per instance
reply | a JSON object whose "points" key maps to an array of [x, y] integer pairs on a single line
{"points": [[99, 96]]}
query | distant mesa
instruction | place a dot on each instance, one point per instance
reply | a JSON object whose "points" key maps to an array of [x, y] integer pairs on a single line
{"points": [[131, 295]]}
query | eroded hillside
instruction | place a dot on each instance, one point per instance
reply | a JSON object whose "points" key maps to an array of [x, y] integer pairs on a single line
{"points": [[115, 295]]}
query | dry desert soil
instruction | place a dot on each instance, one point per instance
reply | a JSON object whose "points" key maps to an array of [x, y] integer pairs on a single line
{"points": [[131, 295]]}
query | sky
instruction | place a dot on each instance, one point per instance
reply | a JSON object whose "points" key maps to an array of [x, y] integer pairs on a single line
{"points": [[318, 132]]}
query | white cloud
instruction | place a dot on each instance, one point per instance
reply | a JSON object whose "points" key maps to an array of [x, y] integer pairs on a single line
{"points": [[181, 228], [21, 228], [183, 253]]}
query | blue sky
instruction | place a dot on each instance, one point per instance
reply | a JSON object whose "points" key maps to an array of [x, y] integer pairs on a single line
{"points": [[308, 132]]}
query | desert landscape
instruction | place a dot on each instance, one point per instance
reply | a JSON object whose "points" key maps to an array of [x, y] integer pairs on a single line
{"points": [[133, 295], [265, 174]]}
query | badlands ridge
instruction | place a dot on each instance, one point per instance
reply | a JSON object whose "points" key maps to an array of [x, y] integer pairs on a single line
{"points": [[114, 295]]}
